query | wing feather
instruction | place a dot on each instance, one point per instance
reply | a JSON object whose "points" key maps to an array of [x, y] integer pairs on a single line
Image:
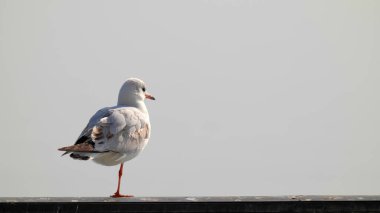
{"points": [[111, 129]]}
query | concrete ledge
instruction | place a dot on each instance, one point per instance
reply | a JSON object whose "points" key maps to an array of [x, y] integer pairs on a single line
{"points": [[193, 204]]}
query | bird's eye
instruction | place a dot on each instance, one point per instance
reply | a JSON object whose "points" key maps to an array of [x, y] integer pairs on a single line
{"points": [[143, 89]]}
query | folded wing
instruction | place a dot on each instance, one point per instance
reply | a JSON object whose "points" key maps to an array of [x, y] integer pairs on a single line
{"points": [[110, 130]]}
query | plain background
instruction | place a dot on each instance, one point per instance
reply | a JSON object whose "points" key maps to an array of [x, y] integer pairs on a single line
{"points": [[253, 97]]}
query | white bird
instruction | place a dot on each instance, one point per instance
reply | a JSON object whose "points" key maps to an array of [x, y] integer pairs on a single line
{"points": [[116, 134]]}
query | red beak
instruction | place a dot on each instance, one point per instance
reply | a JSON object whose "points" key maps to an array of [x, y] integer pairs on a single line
{"points": [[149, 96]]}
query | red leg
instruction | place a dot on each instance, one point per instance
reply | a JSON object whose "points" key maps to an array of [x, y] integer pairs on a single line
{"points": [[117, 193]]}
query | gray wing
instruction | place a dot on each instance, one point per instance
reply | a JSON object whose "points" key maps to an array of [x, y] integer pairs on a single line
{"points": [[84, 142], [120, 127], [111, 129], [85, 136]]}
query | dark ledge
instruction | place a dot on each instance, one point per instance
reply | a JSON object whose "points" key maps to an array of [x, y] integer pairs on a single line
{"points": [[193, 204]]}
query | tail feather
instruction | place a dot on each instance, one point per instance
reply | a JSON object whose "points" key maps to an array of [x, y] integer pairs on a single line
{"points": [[82, 147], [81, 151], [65, 154], [79, 156]]}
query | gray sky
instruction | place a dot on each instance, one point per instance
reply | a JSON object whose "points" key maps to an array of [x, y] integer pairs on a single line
{"points": [[253, 97]]}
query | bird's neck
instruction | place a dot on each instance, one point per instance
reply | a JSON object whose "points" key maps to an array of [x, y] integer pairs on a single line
{"points": [[139, 104]]}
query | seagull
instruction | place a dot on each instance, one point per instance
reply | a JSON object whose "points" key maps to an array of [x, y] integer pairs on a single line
{"points": [[116, 134]]}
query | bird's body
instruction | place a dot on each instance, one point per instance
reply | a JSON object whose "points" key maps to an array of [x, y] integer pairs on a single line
{"points": [[116, 134]]}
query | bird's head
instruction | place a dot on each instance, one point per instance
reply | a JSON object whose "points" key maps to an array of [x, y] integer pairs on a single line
{"points": [[133, 90]]}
